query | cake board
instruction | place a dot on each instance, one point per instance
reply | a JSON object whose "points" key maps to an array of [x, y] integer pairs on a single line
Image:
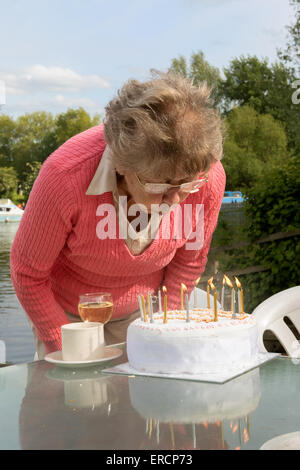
{"points": [[126, 369]]}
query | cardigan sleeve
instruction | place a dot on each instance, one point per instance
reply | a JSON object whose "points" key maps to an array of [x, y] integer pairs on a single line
{"points": [[188, 264], [43, 231]]}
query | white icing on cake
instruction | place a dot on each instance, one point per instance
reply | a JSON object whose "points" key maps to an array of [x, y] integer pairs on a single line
{"points": [[201, 345], [182, 401]]}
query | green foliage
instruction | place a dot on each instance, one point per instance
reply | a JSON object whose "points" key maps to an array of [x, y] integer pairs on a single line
{"points": [[71, 123], [266, 88], [8, 181], [254, 144], [272, 205], [291, 53], [32, 171], [7, 135], [33, 137], [199, 70]]}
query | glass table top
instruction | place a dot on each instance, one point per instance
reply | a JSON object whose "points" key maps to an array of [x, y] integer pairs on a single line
{"points": [[43, 406]]}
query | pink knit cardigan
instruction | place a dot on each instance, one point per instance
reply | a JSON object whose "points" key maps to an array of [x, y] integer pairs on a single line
{"points": [[56, 254]]}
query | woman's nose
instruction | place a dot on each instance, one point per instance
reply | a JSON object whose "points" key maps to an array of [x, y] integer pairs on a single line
{"points": [[172, 197]]}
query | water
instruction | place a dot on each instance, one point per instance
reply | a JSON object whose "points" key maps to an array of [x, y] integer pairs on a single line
{"points": [[15, 331]]}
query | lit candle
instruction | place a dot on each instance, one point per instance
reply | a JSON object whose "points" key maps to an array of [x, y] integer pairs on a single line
{"points": [[208, 291], [223, 293], [187, 308], [165, 304], [141, 307], [240, 296], [144, 308], [183, 288], [196, 292], [159, 301]]}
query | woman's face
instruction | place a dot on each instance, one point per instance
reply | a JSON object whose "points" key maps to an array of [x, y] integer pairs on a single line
{"points": [[140, 196]]}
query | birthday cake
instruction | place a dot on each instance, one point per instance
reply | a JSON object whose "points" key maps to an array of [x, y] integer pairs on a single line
{"points": [[194, 402], [200, 345]]}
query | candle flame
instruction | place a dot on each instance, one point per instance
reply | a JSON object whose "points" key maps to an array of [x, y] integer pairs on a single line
{"points": [[238, 284], [224, 280], [212, 286], [197, 280], [164, 289], [183, 286], [228, 281], [210, 280]]}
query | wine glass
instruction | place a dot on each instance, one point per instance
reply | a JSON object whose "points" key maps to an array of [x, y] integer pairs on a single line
{"points": [[95, 307]]}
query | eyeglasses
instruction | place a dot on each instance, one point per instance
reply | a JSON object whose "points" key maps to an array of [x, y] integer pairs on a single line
{"points": [[162, 188]]}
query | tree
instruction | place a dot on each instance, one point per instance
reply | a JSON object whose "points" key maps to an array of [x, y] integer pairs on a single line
{"points": [[266, 88], [8, 181], [254, 144], [30, 175], [73, 122], [7, 136], [33, 134], [291, 54], [199, 70]]}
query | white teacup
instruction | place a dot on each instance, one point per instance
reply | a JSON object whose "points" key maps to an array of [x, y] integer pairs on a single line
{"points": [[82, 341]]}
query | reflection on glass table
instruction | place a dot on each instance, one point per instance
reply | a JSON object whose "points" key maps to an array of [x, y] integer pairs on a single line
{"points": [[46, 407], [188, 404]]}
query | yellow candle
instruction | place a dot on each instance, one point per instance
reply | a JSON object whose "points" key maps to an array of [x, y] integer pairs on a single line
{"points": [[164, 289], [242, 301], [208, 295], [215, 306], [144, 308], [183, 288]]}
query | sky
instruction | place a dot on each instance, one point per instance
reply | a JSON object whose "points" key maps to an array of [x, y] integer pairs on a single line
{"points": [[60, 54]]}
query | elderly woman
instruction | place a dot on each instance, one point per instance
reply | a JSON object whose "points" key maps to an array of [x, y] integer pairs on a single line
{"points": [[159, 148]]}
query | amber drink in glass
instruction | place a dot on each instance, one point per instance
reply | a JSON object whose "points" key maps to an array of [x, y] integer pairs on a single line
{"points": [[95, 307]]}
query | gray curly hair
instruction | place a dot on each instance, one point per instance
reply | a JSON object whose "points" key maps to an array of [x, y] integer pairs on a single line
{"points": [[163, 126]]}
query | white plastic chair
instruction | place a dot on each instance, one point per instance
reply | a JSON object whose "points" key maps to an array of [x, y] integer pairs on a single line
{"points": [[270, 315]]}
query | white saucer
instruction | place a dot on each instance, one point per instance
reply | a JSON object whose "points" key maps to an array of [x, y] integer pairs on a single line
{"points": [[109, 354], [290, 441]]}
